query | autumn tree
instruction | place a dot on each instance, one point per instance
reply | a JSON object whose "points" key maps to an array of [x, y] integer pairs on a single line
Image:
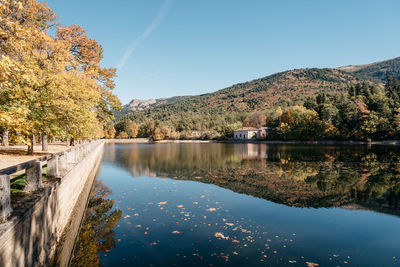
{"points": [[88, 54], [299, 123], [50, 85], [257, 119], [132, 129], [22, 27]]}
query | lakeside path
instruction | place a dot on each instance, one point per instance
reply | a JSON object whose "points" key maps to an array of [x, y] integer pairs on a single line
{"points": [[12, 155]]}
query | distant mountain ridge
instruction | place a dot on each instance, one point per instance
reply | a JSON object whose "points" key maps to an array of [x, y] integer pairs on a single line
{"points": [[139, 104], [280, 89], [377, 72]]}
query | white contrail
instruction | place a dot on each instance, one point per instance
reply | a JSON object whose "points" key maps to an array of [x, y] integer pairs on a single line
{"points": [[161, 14]]}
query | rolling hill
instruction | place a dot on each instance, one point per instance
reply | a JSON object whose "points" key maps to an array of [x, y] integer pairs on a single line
{"points": [[377, 72], [281, 89]]}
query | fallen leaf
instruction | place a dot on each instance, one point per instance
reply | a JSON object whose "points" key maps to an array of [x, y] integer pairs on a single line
{"points": [[162, 203], [221, 235]]}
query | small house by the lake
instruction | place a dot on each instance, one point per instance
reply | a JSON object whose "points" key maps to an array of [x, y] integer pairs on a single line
{"points": [[245, 133]]}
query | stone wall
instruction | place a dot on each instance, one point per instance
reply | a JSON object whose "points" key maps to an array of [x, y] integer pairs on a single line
{"points": [[30, 236]]}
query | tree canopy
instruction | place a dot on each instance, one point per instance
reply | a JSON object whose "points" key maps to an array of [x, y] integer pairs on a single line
{"points": [[51, 84]]}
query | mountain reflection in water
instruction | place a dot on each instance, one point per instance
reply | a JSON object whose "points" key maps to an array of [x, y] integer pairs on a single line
{"points": [[352, 177]]}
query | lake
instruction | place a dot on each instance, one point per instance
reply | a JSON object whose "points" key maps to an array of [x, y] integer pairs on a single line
{"points": [[243, 205]]}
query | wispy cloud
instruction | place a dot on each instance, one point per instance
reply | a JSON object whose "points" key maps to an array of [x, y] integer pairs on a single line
{"points": [[150, 28]]}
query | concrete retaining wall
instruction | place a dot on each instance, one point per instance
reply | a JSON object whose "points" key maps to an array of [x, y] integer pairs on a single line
{"points": [[30, 236]]}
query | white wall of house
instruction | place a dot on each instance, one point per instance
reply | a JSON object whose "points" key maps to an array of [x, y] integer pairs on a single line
{"points": [[247, 134]]}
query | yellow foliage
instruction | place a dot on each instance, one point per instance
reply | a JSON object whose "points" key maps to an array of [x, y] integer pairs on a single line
{"points": [[45, 85]]}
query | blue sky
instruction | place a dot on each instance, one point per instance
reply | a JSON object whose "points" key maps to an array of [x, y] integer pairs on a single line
{"points": [[185, 47]]}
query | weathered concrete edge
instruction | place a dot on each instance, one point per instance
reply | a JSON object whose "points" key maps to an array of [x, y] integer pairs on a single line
{"points": [[65, 246], [29, 238]]}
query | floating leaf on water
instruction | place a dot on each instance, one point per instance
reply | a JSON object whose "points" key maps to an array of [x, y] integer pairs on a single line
{"points": [[162, 203], [176, 232], [145, 233], [235, 241], [180, 206], [235, 253], [127, 216], [229, 224], [221, 235], [311, 264], [292, 261], [153, 243], [202, 196], [138, 226], [211, 209], [195, 203], [136, 214]]}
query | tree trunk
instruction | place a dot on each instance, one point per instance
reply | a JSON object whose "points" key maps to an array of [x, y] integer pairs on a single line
{"points": [[45, 146], [5, 138], [33, 139], [30, 147], [72, 142], [53, 139]]}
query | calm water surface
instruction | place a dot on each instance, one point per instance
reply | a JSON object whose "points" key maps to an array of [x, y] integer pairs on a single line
{"points": [[243, 205]]}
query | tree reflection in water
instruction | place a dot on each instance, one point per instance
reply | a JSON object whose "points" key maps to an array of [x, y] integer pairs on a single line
{"points": [[353, 177], [97, 232]]}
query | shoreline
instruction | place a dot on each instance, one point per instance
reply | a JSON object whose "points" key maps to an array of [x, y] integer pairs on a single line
{"points": [[271, 142]]}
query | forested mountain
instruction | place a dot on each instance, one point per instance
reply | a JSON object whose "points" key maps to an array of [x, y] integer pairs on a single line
{"points": [[377, 72], [352, 102], [280, 89]]}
